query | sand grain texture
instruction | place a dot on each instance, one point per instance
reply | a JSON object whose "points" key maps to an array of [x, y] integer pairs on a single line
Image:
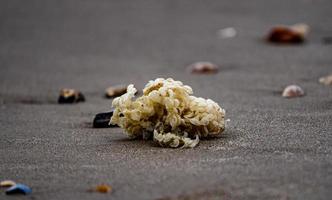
{"points": [[273, 148]]}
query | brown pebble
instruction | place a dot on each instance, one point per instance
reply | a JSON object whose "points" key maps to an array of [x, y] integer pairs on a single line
{"points": [[70, 96], [326, 80], [7, 183], [103, 188], [115, 91], [203, 68], [292, 91], [288, 34]]}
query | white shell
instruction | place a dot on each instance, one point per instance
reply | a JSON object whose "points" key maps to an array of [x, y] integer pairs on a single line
{"points": [[203, 68], [7, 183], [292, 91], [326, 80], [228, 32]]}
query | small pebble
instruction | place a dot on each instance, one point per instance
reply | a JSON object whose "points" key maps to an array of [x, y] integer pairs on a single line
{"points": [[70, 96], [102, 120], [18, 189], [203, 68], [7, 183], [226, 33], [288, 34], [103, 188], [292, 91], [326, 80], [327, 40], [115, 91]]}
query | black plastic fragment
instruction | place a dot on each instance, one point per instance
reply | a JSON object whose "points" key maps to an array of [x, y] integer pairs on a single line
{"points": [[102, 120]]}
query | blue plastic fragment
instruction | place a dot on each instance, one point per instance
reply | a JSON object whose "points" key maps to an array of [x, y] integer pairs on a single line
{"points": [[18, 189]]}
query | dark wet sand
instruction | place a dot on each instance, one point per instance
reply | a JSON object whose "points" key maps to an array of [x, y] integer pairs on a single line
{"points": [[273, 148]]}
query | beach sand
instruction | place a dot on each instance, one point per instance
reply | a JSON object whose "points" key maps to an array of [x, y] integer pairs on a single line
{"points": [[273, 148]]}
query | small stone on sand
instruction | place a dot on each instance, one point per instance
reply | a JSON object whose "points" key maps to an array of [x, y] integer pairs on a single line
{"points": [[288, 34], [115, 91], [226, 33], [292, 91], [203, 68], [70, 96], [103, 188], [327, 40], [102, 120], [326, 80]]}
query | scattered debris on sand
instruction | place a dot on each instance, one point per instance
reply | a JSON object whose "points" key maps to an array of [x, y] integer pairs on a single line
{"points": [[115, 91], [203, 68], [102, 120], [326, 80], [68, 96], [18, 189], [294, 34], [292, 91], [169, 113]]}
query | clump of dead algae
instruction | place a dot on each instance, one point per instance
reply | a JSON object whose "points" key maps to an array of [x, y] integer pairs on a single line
{"points": [[168, 113]]}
